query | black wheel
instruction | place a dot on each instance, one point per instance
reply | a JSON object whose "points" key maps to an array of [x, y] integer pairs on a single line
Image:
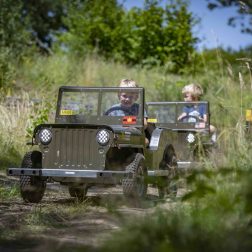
{"points": [[78, 192], [32, 188], [135, 184], [166, 185]]}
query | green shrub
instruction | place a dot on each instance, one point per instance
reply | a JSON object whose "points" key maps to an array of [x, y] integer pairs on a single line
{"points": [[39, 115], [7, 71]]}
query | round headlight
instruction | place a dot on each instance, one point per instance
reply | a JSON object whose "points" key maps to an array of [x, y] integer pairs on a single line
{"points": [[45, 136], [190, 138], [102, 137]]}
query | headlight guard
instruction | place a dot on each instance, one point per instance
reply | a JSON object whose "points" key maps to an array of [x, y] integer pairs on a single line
{"points": [[45, 136], [190, 138], [103, 137]]}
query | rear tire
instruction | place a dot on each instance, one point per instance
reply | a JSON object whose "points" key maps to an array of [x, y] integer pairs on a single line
{"points": [[135, 184], [32, 188]]}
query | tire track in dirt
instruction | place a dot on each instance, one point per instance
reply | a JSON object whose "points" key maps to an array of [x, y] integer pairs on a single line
{"points": [[104, 211]]}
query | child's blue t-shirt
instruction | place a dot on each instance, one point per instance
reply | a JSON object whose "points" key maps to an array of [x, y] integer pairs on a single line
{"points": [[195, 110]]}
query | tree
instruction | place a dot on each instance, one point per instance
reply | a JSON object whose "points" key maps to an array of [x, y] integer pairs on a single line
{"points": [[179, 40], [45, 19], [92, 25], [244, 10], [14, 39], [143, 34], [28, 21], [13, 32], [151, 35]]}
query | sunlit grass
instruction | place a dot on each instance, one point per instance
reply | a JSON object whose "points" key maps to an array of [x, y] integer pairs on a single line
{"points": [[13, 122], [229, 94], [17, 115]]}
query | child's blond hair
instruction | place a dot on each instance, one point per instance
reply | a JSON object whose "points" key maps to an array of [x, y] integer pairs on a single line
{"points": [[194, 89], [128, 83]]}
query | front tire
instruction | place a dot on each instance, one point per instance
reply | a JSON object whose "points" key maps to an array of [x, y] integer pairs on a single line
{"points": [[135, 184], [32, 188], [166, 185]]}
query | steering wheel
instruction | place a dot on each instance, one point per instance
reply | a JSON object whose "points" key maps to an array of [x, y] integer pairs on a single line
{"points": [[117, 108], [190, 118]]}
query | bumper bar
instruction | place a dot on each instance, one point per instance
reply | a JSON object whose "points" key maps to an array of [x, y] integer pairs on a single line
{"points": [[76, 173]]}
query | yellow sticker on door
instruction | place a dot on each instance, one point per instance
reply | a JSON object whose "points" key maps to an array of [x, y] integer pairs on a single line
{"points": [[66, 112]]}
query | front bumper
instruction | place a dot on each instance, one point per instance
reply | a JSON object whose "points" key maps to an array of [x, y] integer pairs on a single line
{"points": [[92, 174]]}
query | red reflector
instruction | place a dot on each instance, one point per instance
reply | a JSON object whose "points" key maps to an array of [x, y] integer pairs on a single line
{"points": [[129, 120], [200, 125]]}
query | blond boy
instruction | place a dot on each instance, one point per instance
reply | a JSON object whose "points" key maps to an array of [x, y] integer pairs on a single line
{"points": [[192, 93]]}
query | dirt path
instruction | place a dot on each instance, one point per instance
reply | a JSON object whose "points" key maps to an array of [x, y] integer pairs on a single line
{"points": [[67, 224]]}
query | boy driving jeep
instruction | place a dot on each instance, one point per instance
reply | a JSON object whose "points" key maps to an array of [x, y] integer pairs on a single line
{"points": [[193, 112], [127, 105]]}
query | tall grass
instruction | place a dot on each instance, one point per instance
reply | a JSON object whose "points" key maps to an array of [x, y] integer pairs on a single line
{"points": [[46, 74], [12, 122], [40, 78], [17, 116]]}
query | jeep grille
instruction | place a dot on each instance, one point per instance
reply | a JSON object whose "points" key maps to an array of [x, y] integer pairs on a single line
{"points": [[74, 149]]}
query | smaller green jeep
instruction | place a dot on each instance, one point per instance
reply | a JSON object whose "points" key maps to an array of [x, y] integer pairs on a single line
{"points": [[192, 140], [86, 146]]}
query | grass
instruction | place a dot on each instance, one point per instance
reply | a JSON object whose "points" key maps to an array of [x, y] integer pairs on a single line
{"points": [[7, 193], [39, 218], [215, 215], [228, 91], [19, 114]]}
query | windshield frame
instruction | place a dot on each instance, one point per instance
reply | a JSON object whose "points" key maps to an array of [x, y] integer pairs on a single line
{"points": [[99, 118], [177, 124]]}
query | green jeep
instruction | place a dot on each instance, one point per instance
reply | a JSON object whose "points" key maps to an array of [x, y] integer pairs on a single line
{"points": [[192, 140], [85, 147]]}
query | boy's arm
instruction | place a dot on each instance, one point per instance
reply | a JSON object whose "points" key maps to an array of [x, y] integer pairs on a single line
{"points": [[182, 116], [205, 117], [184, 113], [204, 113], [145, 122]]}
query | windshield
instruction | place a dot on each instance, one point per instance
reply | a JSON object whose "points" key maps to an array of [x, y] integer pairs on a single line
{"points": [[100, 105], [180, 115], [79, 103]]}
